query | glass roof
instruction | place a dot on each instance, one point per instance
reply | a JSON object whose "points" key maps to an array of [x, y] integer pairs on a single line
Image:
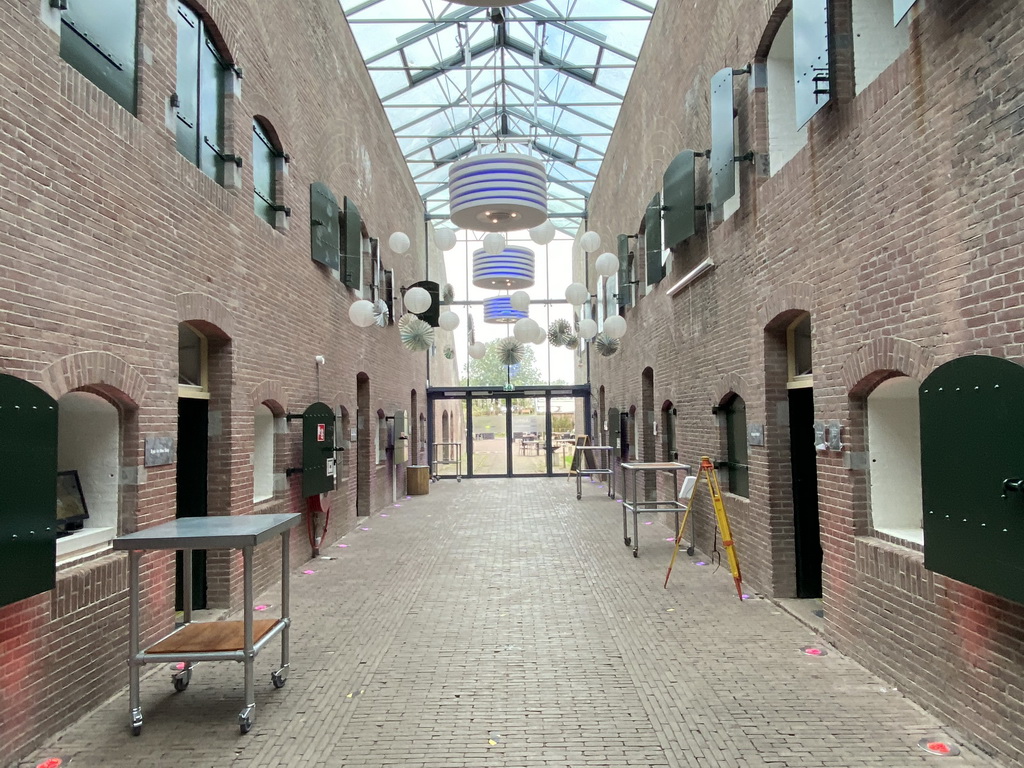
{"points": [[545, 78]]}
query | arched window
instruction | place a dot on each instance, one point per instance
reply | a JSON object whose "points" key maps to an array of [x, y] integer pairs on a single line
{"points": [[99, 39], [268, 161], [668, 432], [263, 454], [876, 42], [894, 447], [736, 445], [785, 139], [193, 363]]}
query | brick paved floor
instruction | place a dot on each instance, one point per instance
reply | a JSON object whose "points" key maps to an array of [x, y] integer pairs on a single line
{"points": [[502, 623]]}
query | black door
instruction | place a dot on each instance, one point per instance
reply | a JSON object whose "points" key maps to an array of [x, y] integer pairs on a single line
{"points": [[805, 492], [193, 417]]}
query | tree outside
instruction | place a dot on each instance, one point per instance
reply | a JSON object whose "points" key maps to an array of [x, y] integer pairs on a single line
{"points": [[489, 372]]}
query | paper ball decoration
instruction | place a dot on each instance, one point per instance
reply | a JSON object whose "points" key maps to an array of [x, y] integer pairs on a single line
{"points": [[448, 294], [572, 342], [399, 242], [615, 327], [381, 313], [606, 345], [577, 294], [477, 350], [559, 332], [520, 300], [525, 329], [510, 351], [416, 334], [449, 353], [542, 335], [588, 329], [543, 234], [445, 239], [607, 264], [494, 243], [417, 300], [590, 241], [361, 313], [448, 320]]}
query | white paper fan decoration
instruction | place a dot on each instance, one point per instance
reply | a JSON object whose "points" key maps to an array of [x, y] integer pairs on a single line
{"points": [[509, 350], [449, 353], [559, 332], [572, 342], [606, 345], [416, 334], [381, 313]]}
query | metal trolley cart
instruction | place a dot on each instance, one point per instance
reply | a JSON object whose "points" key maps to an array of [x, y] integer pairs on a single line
{"points": [[580, 467], [452, 456], [214, 640], [631, 503]]}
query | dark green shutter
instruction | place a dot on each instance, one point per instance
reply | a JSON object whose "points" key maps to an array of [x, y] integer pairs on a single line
{"points": [[736, 445], [434, 311], [680, 199], [211, 110], [98, 38], [625, 287], [323, 226], [812, 72], [652, 240], [613, 426], [352, 246], [723, 176], [972, 465], [28, 490], [264, 162], [317, 449], [187, 84]]}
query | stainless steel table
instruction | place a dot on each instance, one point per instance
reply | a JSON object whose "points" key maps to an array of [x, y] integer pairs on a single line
{"points": [[637, 506], [216, 640], [581, 470], [452, 455]]}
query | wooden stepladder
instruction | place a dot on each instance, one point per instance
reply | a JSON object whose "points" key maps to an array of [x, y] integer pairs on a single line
{"points": [[707, 471]]}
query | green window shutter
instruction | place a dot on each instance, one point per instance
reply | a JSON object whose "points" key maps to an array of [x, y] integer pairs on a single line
{"points": [[613, 425], [323, 226], [680, 198], [98, 38], [28, 490], [187, 83], [812, 74], [652, 241], [723, 178], [352, 246], [625, 288], [211, 110], [736, 446], [900, 8], [264, 176]]}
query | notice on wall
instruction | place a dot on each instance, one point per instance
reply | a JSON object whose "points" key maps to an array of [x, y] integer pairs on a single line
{"points": [[159, 451]]}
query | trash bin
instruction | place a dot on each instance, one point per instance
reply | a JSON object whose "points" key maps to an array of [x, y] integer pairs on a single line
{"points": [[417, 480]]}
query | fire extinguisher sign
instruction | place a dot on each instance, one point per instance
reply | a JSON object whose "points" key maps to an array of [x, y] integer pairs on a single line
{"points": [[321, 432]]}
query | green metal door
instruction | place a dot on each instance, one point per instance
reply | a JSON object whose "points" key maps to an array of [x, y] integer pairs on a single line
{"points": [[28, 490], [972, 473]]}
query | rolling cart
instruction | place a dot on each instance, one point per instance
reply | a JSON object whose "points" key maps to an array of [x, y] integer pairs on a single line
{"points": [[580, 468], [456, 451], [638, 506], [215, 640]]}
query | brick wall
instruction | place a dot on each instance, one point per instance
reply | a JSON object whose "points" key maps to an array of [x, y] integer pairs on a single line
{"points": [[898, 228], [109, 239]]}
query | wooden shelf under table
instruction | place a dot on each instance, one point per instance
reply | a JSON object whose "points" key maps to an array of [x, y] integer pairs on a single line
{"points": [[209, 636]]}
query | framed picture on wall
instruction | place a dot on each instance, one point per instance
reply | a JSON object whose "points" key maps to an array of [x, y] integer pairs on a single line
{"points": [[71, 508]]}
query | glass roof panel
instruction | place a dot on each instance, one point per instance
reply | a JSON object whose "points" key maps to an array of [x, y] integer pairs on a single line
{"points": [[565, 107]]}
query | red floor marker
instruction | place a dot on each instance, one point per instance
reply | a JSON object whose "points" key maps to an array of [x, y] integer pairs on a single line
{"points": [[53, 762], [940, 748]]}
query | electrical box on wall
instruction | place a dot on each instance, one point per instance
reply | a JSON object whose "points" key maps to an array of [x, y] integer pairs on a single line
{"points": [[401, 437], [318, 465]]}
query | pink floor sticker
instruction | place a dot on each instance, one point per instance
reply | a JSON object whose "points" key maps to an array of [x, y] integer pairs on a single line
{"points": [[364, 529], [309, 573], [343, 545], [385, 514], [649, 522], [260, 607]]}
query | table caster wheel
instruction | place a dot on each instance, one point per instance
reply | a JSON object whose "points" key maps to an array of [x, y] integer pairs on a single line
{"points": [[244, 726], [636, 553], [578, 497], [689, 551], [278, 680], [458, 479], [136, 730], [180, 683], [627, 540]]}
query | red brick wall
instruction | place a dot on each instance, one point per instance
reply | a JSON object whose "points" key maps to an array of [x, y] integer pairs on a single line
{"points": [[899, 229], [109, 238]]}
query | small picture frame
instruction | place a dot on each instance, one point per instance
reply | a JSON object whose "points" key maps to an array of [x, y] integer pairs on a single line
{"points": [[71, 507]]}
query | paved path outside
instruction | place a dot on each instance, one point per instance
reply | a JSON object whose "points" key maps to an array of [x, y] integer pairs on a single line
{"points": [[503, 623]]}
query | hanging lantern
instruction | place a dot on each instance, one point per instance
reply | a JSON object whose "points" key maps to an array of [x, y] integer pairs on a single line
{"points": [[498, 192], [381, 313], [606, 345], [417, 300], [477, 350], [445, 238], [399, 242], [588, 328], [525, 330], [542, 335], [615, 327], [510, 351], [559, 332], [494, 243], [590, 241], [416, 334], [508, 269], [607, 264], [520, 300], [448, 320], [361, 313], [577, 294], [498, 309], [544, 233]]}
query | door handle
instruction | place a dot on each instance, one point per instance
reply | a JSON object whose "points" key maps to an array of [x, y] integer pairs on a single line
{"points": [[1012, 484]]}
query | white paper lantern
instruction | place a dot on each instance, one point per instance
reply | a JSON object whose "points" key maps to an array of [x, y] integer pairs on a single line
{"points": [[542, 335], [525, 330], [399, 242], [361, 313], [448, 320], [590, 241], [445, 238], [588, 329], [615, 327], [477, 350], [520, 300], [494, 243], [417, 300], [577, 294], [544, 233], [607, 264]]}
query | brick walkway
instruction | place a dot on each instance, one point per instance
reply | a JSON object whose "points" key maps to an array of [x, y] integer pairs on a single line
{"points": [[502, 623]]}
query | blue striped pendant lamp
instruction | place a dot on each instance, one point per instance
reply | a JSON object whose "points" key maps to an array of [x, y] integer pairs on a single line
{"points": [[498, 192]]}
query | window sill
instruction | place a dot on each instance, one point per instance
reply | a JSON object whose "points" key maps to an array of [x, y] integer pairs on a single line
{"points": [[84, 542], [900, 535]]}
